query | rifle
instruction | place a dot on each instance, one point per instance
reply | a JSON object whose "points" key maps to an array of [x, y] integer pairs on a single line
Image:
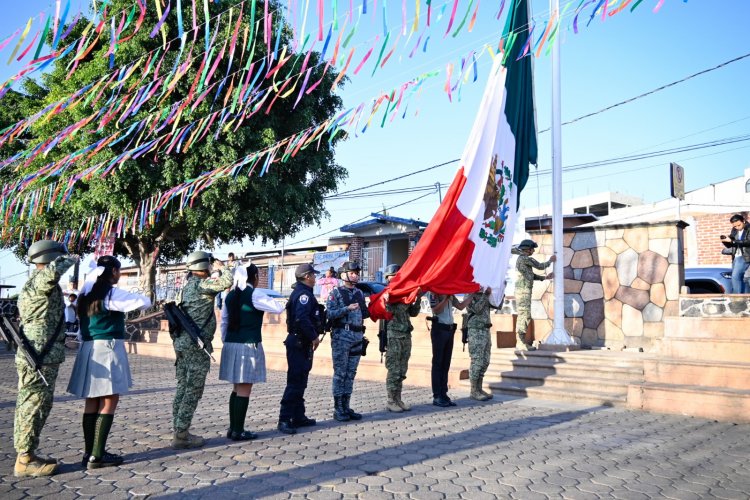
{"points": [[464, 330], [382, 338], [180, 321], [23, 345]]}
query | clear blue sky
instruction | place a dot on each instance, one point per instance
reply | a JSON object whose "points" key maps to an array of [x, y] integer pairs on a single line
{"points": [[605, 63]]}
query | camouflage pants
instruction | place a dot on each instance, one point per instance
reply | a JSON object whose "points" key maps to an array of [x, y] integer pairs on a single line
{"points": [[192, 368], [344, 365], [33, 405], [479, 352], [523, 308], [397, 361]]}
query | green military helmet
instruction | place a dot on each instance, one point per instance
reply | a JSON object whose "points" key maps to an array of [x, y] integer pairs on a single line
{"points": [[528, 244], [45, 251], [391, 270], [199, 261]]}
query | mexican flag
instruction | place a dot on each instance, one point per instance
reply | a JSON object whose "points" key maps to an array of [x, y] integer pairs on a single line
{"points": [[467, 244]]}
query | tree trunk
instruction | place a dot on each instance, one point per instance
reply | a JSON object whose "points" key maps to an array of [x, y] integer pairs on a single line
{"points": [[145, 258]]}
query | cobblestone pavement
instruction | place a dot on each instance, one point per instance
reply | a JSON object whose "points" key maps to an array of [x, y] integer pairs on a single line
{"points": [[505, 448]]}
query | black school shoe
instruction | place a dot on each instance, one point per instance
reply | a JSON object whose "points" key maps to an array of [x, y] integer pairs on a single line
{"points": [[243, 436], [303, 422], [442, 403], [286, 427], [106, 460], [449, 401]]}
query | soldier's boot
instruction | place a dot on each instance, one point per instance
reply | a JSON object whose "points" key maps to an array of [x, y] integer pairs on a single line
{"points": [[392, 405], [521, 344], [29, 465], [184, 439], [476, 393], [400, 402], [346, 398], [339, 412], [480, 386]]}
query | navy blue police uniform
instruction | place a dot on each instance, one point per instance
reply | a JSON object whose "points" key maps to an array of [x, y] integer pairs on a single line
{"points": [[304, 325]]}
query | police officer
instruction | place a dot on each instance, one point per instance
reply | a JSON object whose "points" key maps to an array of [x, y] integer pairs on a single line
{"points": [[346, 309], [399, 345], [41, 306], [480, 345], [304, 324], [525, 266], [441, 334], [192, 365]]}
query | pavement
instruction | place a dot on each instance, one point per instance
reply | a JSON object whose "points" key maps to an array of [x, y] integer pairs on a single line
{"points": [[505, 448]]}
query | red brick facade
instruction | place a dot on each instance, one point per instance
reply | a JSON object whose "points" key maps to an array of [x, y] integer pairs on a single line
{"points": [[708, 229]]}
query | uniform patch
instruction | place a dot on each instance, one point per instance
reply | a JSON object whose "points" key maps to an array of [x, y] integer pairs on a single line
{"points": [[303, 299]]}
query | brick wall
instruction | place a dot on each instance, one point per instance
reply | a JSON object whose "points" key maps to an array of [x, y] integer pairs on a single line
{"points": [[262, 277], [708, 230]]}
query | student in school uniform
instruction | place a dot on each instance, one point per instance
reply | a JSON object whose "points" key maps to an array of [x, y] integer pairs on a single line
{"points": [[243, 362], [101, 372]]}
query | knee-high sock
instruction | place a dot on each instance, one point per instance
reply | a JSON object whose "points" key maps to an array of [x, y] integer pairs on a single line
{"points": [[232, 398], [103, 425], [89, 429], [240, 411]]}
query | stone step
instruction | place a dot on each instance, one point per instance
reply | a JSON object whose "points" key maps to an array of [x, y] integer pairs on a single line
{"points": [[728, 405], [705, 349], [538, 378], [597, 358], [583, 370], [575, 396], [707, 328], [700, 373]]}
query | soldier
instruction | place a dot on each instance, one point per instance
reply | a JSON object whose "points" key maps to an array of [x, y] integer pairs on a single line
{"points": [[480, 345], [192, 365], [525, 266], [40, 305], [399, 344], [441, 335], [347, 310], [305, 325]]}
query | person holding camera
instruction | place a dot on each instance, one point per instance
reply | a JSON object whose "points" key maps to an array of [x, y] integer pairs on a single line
{"points": [[441, 334], [197, 300], [304, 324], [738, 246], [346, 310]]}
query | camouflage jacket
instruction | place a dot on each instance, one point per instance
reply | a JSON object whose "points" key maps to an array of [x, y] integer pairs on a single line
{"points": [[41, 306], [400, 324], [479, 311], [525, 266], [337, 308], [197, 299]]}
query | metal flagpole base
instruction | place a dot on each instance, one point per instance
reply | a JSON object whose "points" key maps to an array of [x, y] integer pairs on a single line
{"points": [[559, 340]]}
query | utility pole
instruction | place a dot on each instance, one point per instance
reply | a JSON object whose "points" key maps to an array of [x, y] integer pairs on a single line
{"points": [[440, 192]]}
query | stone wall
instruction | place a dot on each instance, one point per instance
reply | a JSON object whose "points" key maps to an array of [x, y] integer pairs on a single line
{"points": [[620, 282], [713, 306]]}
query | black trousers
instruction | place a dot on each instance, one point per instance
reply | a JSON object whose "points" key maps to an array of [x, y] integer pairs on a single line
{"points": [[442, 349], [299, 362]]}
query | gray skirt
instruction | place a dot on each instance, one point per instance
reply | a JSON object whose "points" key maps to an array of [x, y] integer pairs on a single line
{"points": [[101, 369], [243, 363]]}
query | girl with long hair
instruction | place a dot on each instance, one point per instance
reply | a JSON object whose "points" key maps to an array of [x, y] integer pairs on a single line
{"points": [[243, 362], [101, 372]]}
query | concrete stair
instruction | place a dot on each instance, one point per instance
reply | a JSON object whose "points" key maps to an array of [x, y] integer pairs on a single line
{"points": [[703, 369]]}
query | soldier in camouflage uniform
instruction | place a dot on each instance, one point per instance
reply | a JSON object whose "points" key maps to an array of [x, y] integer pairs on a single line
{"points": [[347, 310], [399, 345], [192, 365], [525, 266], [41, 307], [480, 344]]}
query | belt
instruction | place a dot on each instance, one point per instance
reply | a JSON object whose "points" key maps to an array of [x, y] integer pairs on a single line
{"points": [[351, 328]]}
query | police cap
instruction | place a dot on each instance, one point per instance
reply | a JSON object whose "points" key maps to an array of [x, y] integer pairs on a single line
{"points": [[45, 251], [304, 269], [391, 270], [199, 261], [528, 244]]}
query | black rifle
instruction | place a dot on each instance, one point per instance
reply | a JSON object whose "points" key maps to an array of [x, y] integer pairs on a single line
{"points": [[23, 345], [464, 330], [180, 321], [382, 338]]}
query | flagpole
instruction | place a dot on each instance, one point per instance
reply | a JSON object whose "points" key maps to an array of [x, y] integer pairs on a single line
{"points": [[559, 335]]}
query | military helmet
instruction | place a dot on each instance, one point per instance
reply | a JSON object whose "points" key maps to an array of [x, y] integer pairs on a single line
{"points": [[528, 244], [391, 270], [45, 251], [199, 261], [349, 266]]}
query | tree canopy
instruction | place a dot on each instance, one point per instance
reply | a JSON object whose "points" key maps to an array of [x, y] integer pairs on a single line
{"points": [[288, 197]]}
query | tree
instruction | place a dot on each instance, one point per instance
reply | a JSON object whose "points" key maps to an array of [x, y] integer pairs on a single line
{"points": [[287, 198]]}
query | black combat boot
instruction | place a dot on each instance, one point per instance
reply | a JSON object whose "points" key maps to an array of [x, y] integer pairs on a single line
{"points": [[352, 414], [339, 412]]}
